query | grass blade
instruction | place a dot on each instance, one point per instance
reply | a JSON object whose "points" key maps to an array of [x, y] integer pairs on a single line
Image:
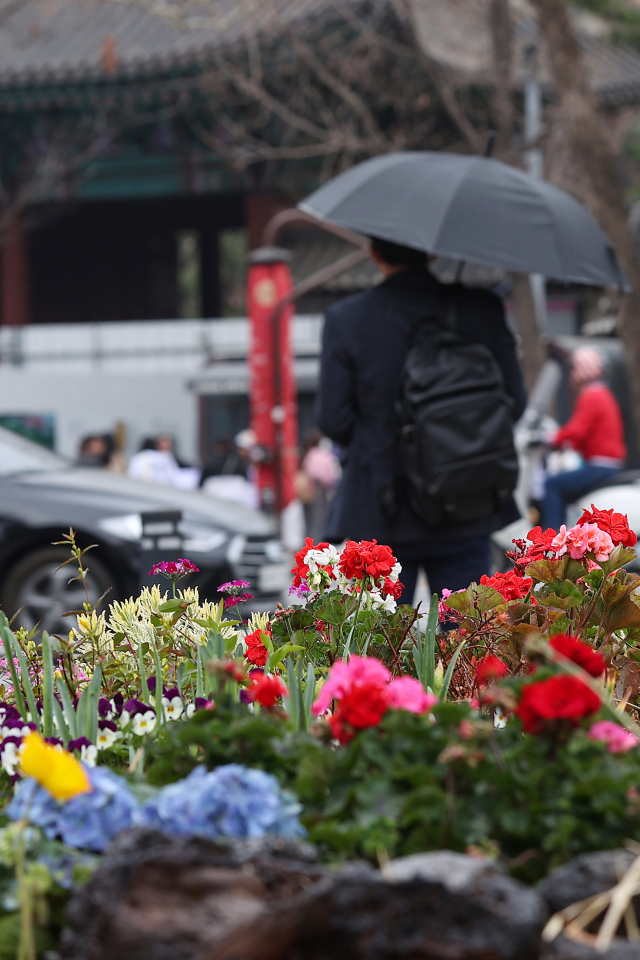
{"points": [[26, 684], [159, 691], [63, 729], [47, 686], [92, 705], [199, 677], [446, 683], [7, 643], [293, 694], [67, 706], [143, 675], [309, 693], [430, 644]]}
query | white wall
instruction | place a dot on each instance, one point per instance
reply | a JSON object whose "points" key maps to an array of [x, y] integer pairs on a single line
{"points": [[89, 376]]}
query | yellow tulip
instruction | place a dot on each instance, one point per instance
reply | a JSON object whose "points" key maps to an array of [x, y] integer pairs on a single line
{"points": [[57, 771]]}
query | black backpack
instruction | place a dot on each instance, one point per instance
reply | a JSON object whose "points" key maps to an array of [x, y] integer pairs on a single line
{"points": [[456, 448]]}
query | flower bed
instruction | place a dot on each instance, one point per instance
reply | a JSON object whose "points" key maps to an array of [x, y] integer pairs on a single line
{"points": [[342, 717]]}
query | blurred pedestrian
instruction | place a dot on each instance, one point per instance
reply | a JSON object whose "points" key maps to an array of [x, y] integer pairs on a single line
{"points": [[156, 463], [366, 340], [237, 479], [224, 462], [595, 430], [316, 481], [94, 452]]}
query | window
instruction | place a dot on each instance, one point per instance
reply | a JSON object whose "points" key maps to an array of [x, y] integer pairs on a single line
{"points": [[189, 275]]}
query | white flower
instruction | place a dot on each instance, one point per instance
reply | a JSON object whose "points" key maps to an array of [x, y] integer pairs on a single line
{"points": [[143, 722], [10, 757], [329, 556], [499, 718], [107, 737], [124, 718], [172, 708], [395, 572], [14, 732], [378, 602], [189, 710], [89, 754]]}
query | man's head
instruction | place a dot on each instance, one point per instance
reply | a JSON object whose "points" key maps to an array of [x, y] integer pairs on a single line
{"points": [[586, 366], [392, 257]]}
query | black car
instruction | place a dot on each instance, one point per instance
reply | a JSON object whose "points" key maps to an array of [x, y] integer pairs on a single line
{"points": [[134, 524]]}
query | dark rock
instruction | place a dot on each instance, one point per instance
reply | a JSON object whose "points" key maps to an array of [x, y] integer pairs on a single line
{"points": [[584, 876], [580, 878], [564, 949], [160, 898]]}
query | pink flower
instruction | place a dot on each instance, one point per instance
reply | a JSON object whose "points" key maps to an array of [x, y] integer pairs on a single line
{"points": [[443, 609], [617, 739], [560, 541], [600, 542], [582, 539], [343, 676], [406, 693]]}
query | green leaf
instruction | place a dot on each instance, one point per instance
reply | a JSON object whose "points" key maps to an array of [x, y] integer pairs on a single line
{"points": [[170, 606], [336, 609], [619, 556], [549, 570], [278, 655], [477, 597]]}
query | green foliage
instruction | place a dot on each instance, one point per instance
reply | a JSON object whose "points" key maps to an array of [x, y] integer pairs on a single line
{"points": [[621, 15], [228, 734], [411, 784]]}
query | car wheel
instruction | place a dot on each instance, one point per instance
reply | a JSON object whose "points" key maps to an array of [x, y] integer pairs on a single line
{"points": [[45, 592]]}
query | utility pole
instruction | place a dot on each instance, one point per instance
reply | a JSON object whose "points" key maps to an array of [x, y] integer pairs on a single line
{"points": [[535, 164]]}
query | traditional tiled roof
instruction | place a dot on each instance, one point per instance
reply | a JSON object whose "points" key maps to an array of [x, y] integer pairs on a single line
{"points": [[45, 43]]}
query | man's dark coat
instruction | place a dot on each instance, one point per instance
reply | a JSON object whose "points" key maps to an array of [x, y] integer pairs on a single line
{"points": [[365, 342]]}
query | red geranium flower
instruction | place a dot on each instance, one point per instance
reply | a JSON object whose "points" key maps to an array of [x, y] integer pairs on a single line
{"points": [[581, 653], [536, 547], [256, 652], [510, 585], [362, 706], [265, 690], [558, 698], [392, 588], [368, 557], [615, 524], [491, 668]]}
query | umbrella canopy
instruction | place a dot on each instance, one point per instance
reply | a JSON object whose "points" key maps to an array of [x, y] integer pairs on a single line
{"points": [[470, 208]]}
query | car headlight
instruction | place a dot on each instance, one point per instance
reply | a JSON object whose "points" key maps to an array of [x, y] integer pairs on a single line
{"points": [[126, 527]]}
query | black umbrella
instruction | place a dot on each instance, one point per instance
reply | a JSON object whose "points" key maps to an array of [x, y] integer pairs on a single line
{"points": [[470, 208]]}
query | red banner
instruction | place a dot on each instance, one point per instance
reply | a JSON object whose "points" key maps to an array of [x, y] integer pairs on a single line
{"points": [[274, 416]]}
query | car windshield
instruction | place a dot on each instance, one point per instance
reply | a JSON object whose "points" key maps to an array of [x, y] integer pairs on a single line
{"points": [[18, 455]]}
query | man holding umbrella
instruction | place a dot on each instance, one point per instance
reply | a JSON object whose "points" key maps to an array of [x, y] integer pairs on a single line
{"points": [[468, 208], [366, 341]]}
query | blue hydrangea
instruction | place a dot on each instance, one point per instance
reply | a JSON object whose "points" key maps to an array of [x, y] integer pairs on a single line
{"points": [[231, 801], [89, 821]]}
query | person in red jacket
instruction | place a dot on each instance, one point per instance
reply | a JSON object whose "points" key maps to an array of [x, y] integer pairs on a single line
{"points": [[595, 431]]}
